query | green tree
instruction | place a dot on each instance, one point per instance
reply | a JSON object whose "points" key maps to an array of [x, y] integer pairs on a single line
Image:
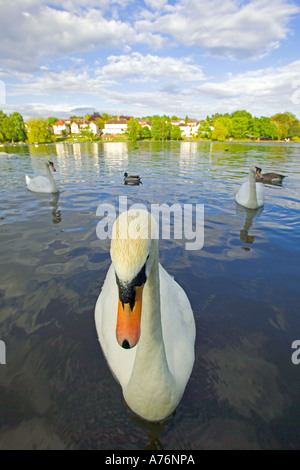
{"points": [[227, 123], [166, 128], [7, 129], [176, 132], [105, 117], [283, 122], [156, 128], [52, 120], [12, 127], [145, 132], [268, 128], [220, 131], [204, 130], [294, 130], [19, 131], [241, 121], [255, 127], [38, 130], [2, 118], [133, 129], [99, 121]]}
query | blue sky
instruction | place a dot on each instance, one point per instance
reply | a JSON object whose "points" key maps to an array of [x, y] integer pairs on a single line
{"points": [[145, 57]]}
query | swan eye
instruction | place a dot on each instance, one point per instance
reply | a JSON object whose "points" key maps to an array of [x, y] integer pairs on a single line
{"points": [[126, 289]]}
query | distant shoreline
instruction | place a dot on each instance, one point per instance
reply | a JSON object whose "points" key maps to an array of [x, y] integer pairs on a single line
{"points": [[101, 141]]}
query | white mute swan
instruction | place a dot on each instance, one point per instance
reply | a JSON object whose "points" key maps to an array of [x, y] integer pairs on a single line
{"points": [[42, 184], [144, 321], [251, 194]]}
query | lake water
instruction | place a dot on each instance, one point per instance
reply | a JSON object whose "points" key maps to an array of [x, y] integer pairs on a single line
{"points": [[56, 390]]}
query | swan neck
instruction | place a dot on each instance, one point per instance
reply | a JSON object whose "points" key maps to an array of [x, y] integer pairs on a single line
{"points": [[252, 193], [51, 179], [151, 376], [151, 327]]}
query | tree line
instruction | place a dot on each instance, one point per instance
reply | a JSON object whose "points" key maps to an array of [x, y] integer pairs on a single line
{"points": [[237, 125], [242, 124]]}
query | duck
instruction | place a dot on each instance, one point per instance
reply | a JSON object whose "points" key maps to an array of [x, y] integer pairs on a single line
{"points": [[144, 321], [132, 179], [271, 178], [251, 194], [43, 184]]}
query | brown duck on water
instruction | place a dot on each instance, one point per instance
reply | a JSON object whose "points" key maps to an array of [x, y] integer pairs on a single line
{"points": [[132, 179], [271, 178]]}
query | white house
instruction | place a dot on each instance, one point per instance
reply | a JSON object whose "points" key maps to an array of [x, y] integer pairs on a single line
{"points": [[74, 128], [115, 126], [84, 125], [93, 127], [79, 125], [60, 126], [188, 129]]}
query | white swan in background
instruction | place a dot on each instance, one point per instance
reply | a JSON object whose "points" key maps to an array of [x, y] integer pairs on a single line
{"points": [[251, 194], [42, 184], [144, 321]]}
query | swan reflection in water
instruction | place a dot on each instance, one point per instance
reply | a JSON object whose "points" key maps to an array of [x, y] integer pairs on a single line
{"points": [[55, 213], [250, 214], [154, 430]]}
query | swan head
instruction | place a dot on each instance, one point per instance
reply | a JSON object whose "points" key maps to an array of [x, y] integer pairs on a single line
{"points": [[49, 163], [134, 246], [256, 170]]}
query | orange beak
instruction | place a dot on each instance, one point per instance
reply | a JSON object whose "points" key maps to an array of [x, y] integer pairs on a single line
{"points": [[129, 320], [259, 174]]}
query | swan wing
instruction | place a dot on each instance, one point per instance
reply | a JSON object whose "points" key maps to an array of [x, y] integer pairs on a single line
{"points": [[242, 196], [178, 327], [39, 184], [259, 194]]}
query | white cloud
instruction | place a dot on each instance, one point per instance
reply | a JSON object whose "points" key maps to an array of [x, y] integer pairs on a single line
{"points": [[69, 82], [120, 69], [35, 109], [229, 27], [94, 41], [44, 32], [156, 4], [138, 68], [262, 92], [225, 27]]}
